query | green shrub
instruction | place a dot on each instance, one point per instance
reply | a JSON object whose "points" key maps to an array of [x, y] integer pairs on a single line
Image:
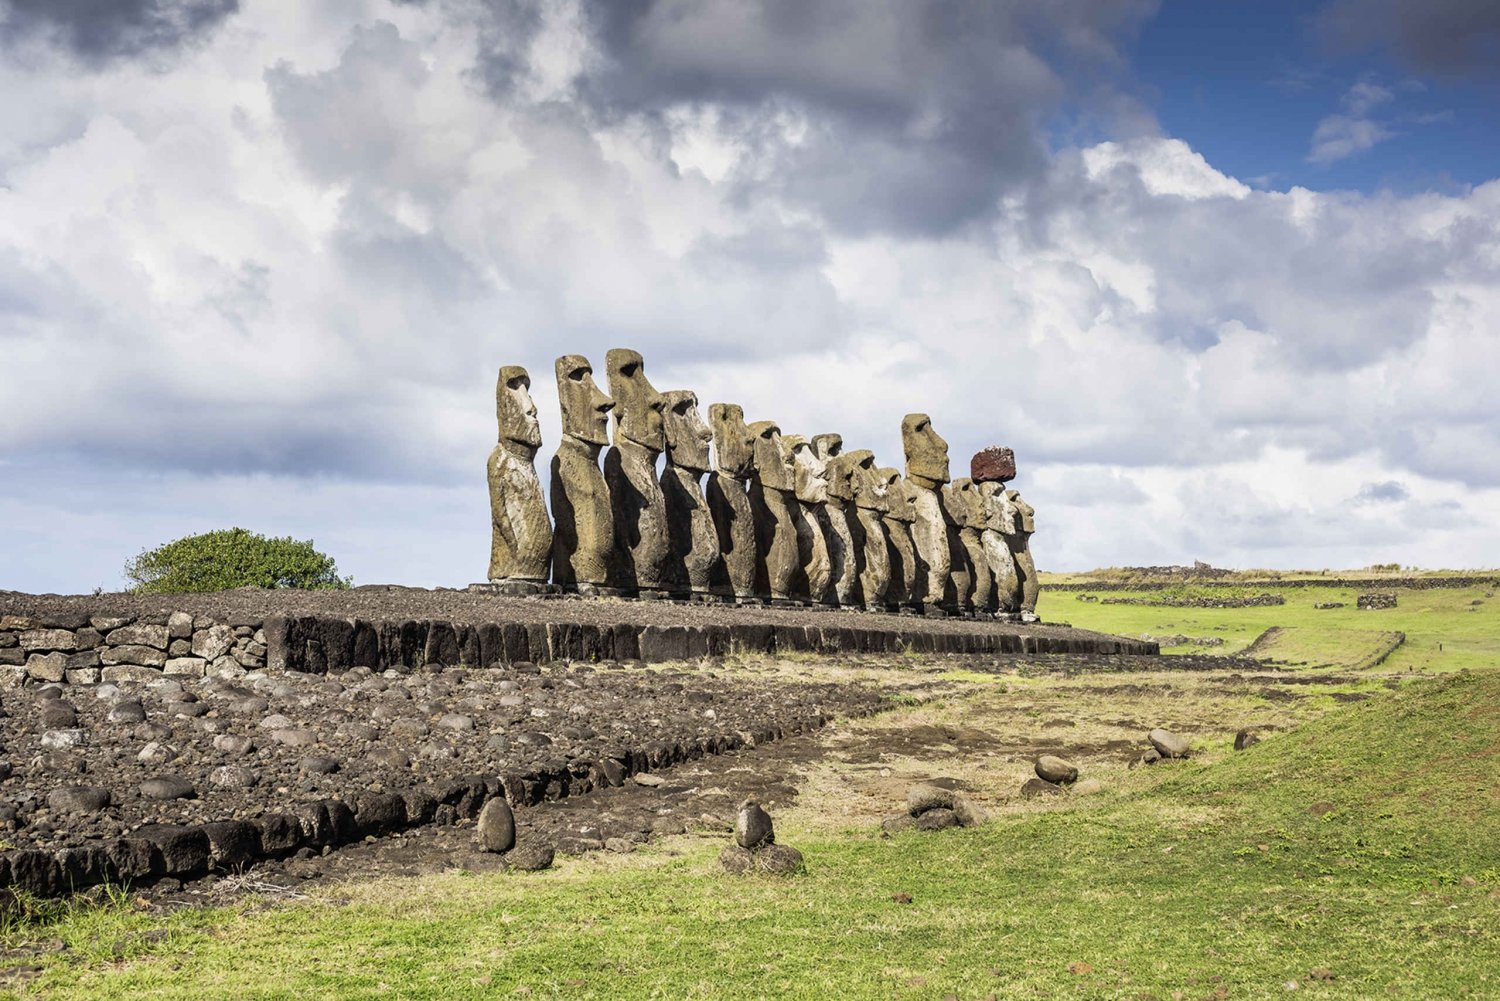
{"points": [[217, 561]]}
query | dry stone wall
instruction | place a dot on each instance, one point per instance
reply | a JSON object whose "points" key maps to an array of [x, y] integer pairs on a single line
{"points": [[82, 649]]}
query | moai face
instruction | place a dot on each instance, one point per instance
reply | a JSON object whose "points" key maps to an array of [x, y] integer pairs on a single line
{"points": [[1025, 513], [640, 413], [841, 471], [687, 436], [968, 504], [869, 491], [897, 501], [774, 474], [585, 408], [734, 445], [828, 446], [926, 452], [809, 473], [514, 408]]}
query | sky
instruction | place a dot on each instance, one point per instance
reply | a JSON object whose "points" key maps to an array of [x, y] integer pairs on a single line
{"points": [[1225, 275]]}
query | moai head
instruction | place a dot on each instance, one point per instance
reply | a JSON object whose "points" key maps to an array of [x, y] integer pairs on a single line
{"points": [[828, 446], [514, 408], [639, 417], [585, 408], [809, 473], [687, 436], [898, 502], [773, 473], [869, 490], [993, 464], [967, 504], [1025, 513], [999, 512], [926, 452], [841, 476], [734, 445]]}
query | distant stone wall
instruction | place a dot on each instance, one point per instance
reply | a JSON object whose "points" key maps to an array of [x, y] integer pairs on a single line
{"points": [[84, 650], [1408, 583], [1258, 601], [1376, 600]]}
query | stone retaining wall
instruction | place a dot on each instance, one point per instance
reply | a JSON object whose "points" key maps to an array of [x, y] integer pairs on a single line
{"points": [[1409, 583], [84, 650]]}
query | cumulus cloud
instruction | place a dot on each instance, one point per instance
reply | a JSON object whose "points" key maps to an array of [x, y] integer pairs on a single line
{"points": [[279, 274], [100, 30]]}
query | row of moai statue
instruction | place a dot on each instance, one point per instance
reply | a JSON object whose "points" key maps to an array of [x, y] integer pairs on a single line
{"points": [[781, 519]]}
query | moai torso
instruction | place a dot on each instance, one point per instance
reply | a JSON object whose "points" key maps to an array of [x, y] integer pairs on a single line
{"points": [[999, 522], [1020, 547], [583, 523], [927, 471], [960, 576], [639, 509], [870, 505], [839, 521], [729, 503], [771, 502], [693, 544], [900, 552], [520, 531], [810, 482]]}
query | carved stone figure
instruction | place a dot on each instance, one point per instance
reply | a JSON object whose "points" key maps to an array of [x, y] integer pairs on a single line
{"points": [[640, 510], [1020, 547], [728, 502], [810, 482], [692, 542], [960, 592], [869, 505], [900, 552], [771, 500], [927, 471], [839, 520], [521, 533], [1000, 522], [968, 512], [583, 524]]}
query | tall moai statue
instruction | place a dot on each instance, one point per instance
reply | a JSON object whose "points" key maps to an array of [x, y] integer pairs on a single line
{"points": [[838, 516], [521, 533], [729, 503], [810, 482], [640, 510], [1020, 547], [900, 553], [1000, 522], [583, 537], [771, 500], [968, 514], [960, 573], [692, 541], [927, 471], [870, 506]]}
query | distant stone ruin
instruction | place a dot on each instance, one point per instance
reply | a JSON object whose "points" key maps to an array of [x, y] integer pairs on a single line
{"points": [[782, 519]]}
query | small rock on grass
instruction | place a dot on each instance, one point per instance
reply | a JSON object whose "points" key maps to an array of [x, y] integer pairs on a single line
{"points": [[1051, 768], [496, 827], [967, 813], [1168, 745], [778, 860], [924, 796], [737, 860], [1032, 788], [1246, 738], [753, 828], [937, 820], [1088, 787], [530, 856], [899, 822]]}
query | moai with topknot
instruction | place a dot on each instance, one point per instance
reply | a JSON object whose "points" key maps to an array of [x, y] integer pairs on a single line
{"points": [[839, 522], [810, 485], [771, 501], [583, 534], [692, 541], [729, 502], [900, 553], [927, 471], [640, 510]]}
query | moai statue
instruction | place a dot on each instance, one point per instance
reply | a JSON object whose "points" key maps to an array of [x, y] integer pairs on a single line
{"points": [[1000, 522], [870, 505], [1020, 547], [771, 500], [898, 516], [729, 504], [583, 536], [960, 595], [692, 542], [838, 517], [810, 482], [521, 532], [968, 513], [927, 471], [640, 510]]}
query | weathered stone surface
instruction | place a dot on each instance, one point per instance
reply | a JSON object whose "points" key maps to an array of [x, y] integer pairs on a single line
{"points": [[999, 523], [232, 844], [18, 623], [79, 799], [993, 464], [1051, 768], [141, 656], [728, 501], [1246, 738], [48, 639], [520, 531], [168, 787], [496, 827], [967, 511], [139, 635], [923, 797], [870, 507], [969, 814], [692, 540], [771, 501], [47, 666], [901, 553], [1032, 788], [927, 471], [180, 626], [1167, 744], [778, 860], [638, 507], [583, 533], [737, 860], [530, 856], [937, 819], [192, 667], [129, 672], [840, 520], [213, 642], [1020, 547], [810, 479], [752, 826]]}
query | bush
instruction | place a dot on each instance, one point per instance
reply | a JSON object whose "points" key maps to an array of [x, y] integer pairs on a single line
{"points": [[217, 561]]}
